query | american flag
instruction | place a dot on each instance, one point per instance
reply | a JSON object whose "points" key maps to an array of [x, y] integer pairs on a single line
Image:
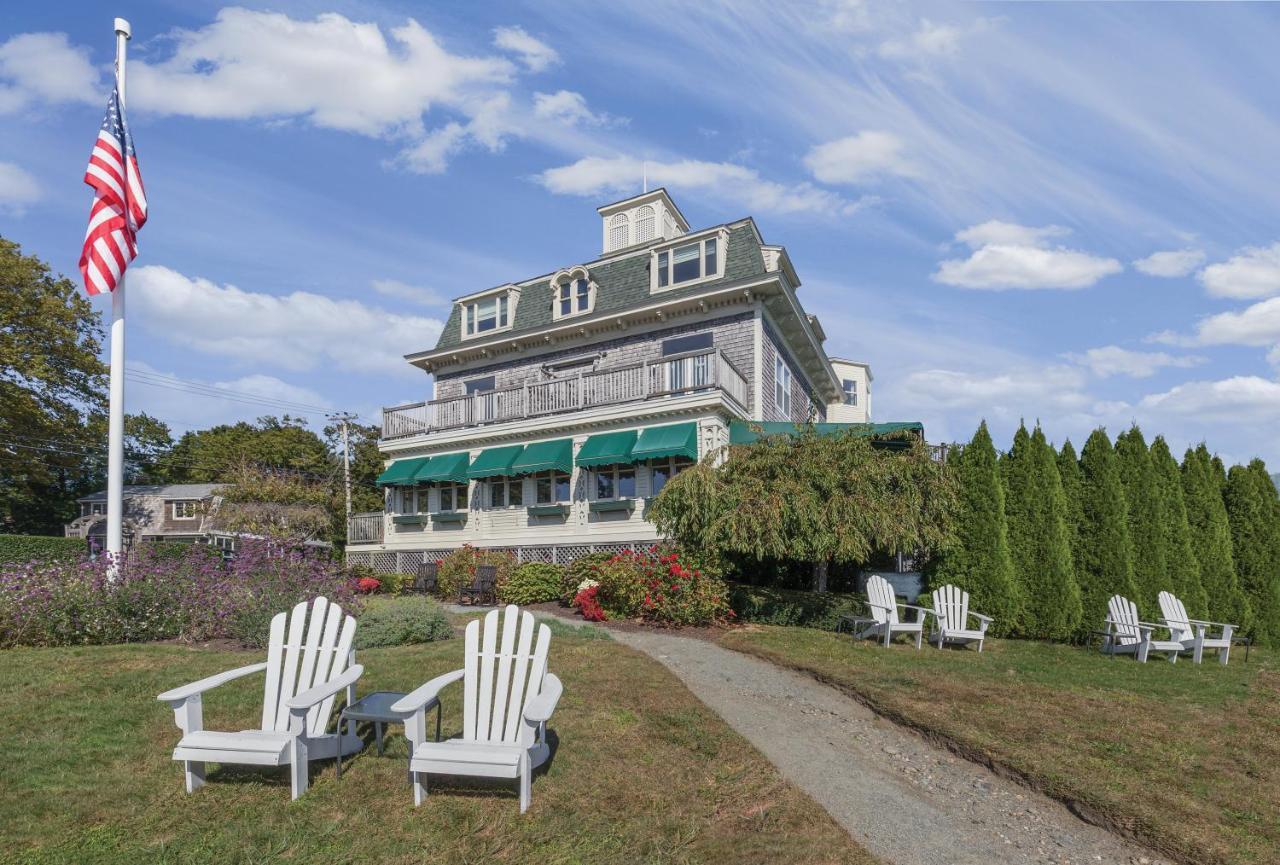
{"points": [[119, 204]]}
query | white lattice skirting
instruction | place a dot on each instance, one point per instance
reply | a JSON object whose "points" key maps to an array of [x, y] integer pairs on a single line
{"points": [[407, 561]]}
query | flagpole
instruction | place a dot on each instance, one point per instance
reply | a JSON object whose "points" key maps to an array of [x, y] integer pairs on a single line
{"points": [[115, 424]]}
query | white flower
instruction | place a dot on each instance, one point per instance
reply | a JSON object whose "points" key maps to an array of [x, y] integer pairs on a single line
{"points": [[587, 584]]}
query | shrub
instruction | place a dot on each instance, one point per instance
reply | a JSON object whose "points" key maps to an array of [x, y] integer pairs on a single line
{"points": [[20, 549], [656, 586], [769, 606], [580, 569], [402, 621], [532, 583], [367, 585], [588, 603], [394, 582], [458, 569]]}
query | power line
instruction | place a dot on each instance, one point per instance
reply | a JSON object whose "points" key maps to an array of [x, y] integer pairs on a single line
{"points": [[225, 394]]}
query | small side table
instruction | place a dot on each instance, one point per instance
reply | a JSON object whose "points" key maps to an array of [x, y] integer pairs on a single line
{"points": [[376, 708]]}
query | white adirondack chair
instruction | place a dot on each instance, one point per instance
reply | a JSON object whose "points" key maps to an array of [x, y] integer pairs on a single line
{"points": [[884, 621], [508, 696], [951, 614], [1195, 631], [1126, 635], [305, 671]]}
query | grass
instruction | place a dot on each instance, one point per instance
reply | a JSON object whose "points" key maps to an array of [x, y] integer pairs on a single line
{"points": [[1186, 758], [642, 773]]}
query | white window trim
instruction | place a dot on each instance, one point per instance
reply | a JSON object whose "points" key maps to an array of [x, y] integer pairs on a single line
{"points": [[720, 236], [439, 497], [573, 275], [511, 292], [614, 470], [782, 385], [195, 509], [508, 483], [555, 500], [670, 464]]}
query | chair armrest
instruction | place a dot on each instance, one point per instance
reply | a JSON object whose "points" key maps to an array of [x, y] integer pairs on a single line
{"points": [[921, 609], [320, 693], [414, 701], [1219, 624], [177, 695], [539, 709], [982, 618], [878, 606]]}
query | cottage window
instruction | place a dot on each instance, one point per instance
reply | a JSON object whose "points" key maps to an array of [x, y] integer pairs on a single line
{"points": [[691, 262], [487, 314], [850, 391], [410, 500], [453, 497], [552, 487], [663, 470], [616, 482], [185, 510], [505, 492], [782, 386]]}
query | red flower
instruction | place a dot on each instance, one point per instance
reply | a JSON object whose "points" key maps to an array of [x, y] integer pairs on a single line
{"points": [[368, 585]]}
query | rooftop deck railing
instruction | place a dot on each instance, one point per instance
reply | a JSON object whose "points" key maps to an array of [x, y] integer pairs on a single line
{"points": [[697, 371]]}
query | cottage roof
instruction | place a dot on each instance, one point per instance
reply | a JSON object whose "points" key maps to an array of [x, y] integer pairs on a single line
{"points": [[164, 491]]}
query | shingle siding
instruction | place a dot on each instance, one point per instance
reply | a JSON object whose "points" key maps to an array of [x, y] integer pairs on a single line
{"points": [[803, 396]]}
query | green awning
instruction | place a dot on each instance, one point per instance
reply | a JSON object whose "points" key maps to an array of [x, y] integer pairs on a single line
{"points": [[676, 440], [606, 449], [744, 432], [402, 471], [494, 462], [544, 456], [445, 467]]}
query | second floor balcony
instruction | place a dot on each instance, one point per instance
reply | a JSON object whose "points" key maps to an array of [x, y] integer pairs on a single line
{"points": [[696, 371]]}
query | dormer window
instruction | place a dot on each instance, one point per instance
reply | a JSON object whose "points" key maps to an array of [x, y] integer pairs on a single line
{"points": [[484, 314], [691, 262], [572, 293]]}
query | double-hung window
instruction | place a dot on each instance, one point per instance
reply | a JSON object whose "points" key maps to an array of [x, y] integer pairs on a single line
{"points": [[572, 296], [486, 314], [410, 500], [697, 260], [782, 386], [551, 487], [506, 492], [453, 497], [663, 470], [616, 482], [693, 370], [850, 391], [185, 510]]}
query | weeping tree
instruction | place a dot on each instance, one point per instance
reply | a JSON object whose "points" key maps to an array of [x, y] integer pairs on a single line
{"points": [[1105, 564], [1182, 567], [276, 503], [811, 498], [1202, 486], [979, 561], [1147, 517]]}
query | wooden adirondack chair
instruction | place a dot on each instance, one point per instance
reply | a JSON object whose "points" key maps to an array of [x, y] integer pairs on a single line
{"points": [[482, 587], [951, 614], [305, 668], [427, 577], [1126, 635], [884, 621], [1194, 631], [508, 695]]}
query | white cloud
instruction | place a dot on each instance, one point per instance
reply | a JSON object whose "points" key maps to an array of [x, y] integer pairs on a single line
{"points": [[1256, 325], [930, 39], [1010, 256], [569, 108], [404, 291], [1012, 391], [848, 16], [1242, 398], [18, 189], [247, 398], [858, 157], [297, 331], [535, 54], [1251, 273], [1174, 262], [620, 175], [1113, 360], [45, 67]]}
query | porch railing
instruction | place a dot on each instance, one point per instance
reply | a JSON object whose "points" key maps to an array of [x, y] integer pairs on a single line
{"points": [[704, 370], [365, 528]]}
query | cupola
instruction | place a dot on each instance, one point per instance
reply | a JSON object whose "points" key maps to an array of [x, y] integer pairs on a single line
{"points": [[643, 219]]}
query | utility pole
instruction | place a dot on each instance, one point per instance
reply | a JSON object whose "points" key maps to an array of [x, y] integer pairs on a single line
{"points": [[344, 418]]}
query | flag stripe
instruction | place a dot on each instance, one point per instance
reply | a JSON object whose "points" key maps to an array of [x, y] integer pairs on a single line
{"points": [[119, 206]]}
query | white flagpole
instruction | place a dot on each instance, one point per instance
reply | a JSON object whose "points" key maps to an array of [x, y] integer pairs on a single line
{"points": [[115, 423]]}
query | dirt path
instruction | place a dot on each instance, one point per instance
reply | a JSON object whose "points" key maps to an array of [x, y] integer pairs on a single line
{"points": [[907, 801]]}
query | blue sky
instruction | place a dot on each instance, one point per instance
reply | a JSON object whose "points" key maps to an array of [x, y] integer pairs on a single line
{"points": [[1068, 212]]}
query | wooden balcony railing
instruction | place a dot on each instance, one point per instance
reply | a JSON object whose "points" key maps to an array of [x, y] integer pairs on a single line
{"points": [[705, 370], [365, 528]]}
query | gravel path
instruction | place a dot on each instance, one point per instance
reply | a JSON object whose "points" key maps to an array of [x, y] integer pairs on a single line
{"points": [[904, 799]]}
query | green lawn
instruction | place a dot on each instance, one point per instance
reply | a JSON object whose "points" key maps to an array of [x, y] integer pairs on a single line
{"points": [[643, 773], [1186, 758]]}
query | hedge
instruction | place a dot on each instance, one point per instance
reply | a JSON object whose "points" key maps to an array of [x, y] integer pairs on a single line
{"points": [[768, 606], [20, 549]]}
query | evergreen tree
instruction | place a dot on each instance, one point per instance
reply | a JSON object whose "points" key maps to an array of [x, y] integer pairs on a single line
{"points": [[1069, 472], [1179, 553], [979, 561], [1271, 505], [1146, 521], [1211, 537], [1105, 567], [1253, 543], [1040, 540]]}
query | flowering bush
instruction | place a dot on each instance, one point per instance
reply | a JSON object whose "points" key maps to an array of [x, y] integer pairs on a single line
{"points": [[658, 586], [368, 585], [458, 569], [162, 593], [581, 568]]}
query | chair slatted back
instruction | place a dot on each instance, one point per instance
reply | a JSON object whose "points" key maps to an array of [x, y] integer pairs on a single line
{"points": [[305, 651], [504, 669], [1175, 613], [1124, 619], [486, 578], [951, 605], [428, 575], [880, 592]]}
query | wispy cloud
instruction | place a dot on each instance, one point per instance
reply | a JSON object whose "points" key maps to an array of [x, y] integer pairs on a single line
{"points": [[1010, 256], [859, 157], [45, 68], [535, 54], [1112, 360], [18, 189], [1171, 263]]}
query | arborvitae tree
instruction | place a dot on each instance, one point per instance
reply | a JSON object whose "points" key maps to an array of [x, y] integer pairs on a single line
{"points": [[1211, 537], [1183, 568], [979, 561], [1253, 539], [1040, 540], [1069, 472], [1271, 506], [1146, 521], [1105, 567]]}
